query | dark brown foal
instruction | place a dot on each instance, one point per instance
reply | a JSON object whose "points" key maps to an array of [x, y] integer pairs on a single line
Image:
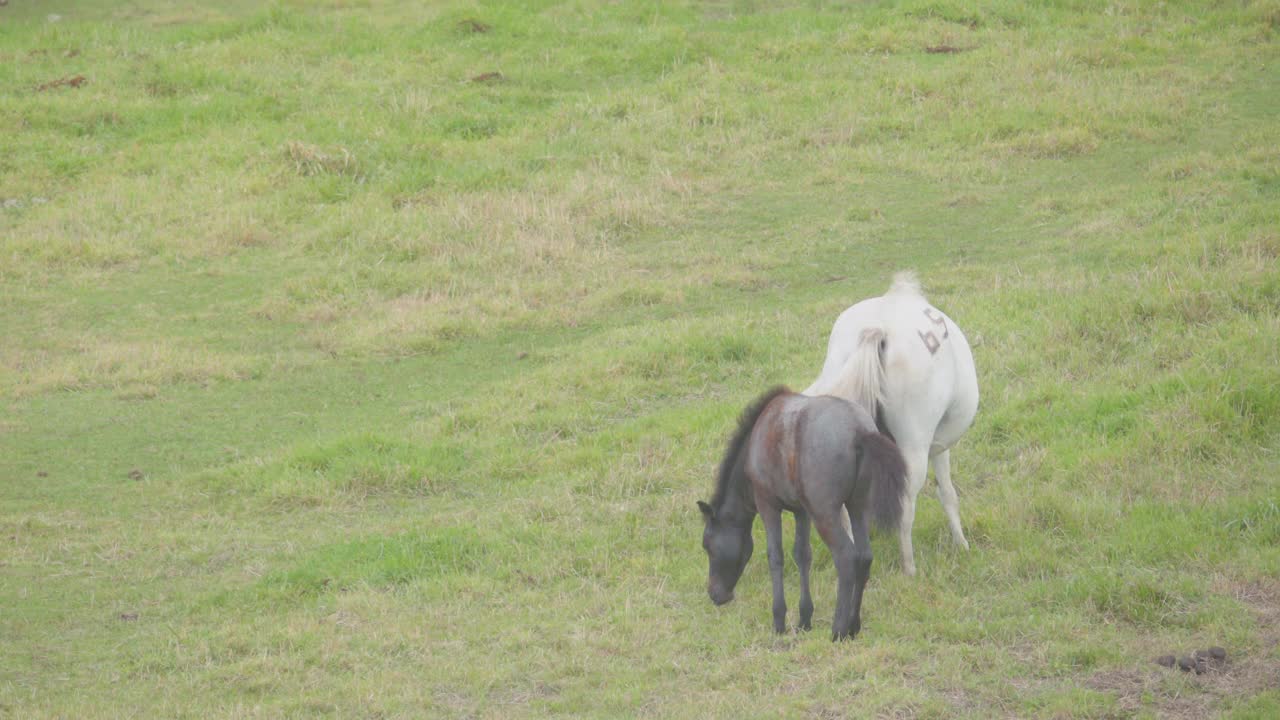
{"points": [[812, 456]]}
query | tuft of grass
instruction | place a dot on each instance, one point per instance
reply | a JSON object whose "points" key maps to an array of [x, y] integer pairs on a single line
{"points": [[309, 160]]}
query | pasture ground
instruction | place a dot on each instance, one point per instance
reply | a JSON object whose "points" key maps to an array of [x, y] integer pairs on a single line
{"points": [[366, 358]]}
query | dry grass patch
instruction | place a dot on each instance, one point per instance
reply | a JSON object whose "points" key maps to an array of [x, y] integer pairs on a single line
{"points": [[134, 368], [1056, 143], [134, 217], [309, 160], [425, 274], [419, 322]]}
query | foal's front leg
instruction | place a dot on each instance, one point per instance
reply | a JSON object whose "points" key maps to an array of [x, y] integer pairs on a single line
{"points": [[772, 518], [803, 555]]}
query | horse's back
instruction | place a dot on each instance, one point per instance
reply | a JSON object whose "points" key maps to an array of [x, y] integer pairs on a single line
{"points": [[929, 373], [920, 339]]}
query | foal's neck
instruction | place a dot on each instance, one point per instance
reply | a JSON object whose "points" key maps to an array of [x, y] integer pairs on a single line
{"points": [[739, 506]]}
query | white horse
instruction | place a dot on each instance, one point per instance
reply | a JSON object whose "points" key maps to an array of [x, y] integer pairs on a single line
{"points": [[910, 366]]}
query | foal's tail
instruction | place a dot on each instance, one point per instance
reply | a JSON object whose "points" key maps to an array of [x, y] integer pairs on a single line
{"points": [[882, 469], [861, 379]]}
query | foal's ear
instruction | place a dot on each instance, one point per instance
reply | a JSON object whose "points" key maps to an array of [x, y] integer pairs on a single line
{"points": [[707, 512]]}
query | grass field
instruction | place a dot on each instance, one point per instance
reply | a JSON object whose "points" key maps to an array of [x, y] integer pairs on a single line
{"points": [[363, 358]]}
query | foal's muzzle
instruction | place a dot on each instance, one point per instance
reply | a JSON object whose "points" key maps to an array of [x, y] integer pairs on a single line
{"points": [[719, 596]]}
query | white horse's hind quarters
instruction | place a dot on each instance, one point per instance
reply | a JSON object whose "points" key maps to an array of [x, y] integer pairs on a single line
{"points": [[910, 366]]}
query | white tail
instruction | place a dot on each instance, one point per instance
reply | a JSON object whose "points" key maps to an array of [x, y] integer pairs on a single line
{"points": [[862, 378], [905, 282]]}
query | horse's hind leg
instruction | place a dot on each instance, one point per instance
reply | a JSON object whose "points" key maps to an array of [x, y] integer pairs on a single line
{"points": [[917, 468], [947, 496], [803, 555], [772, 518]]}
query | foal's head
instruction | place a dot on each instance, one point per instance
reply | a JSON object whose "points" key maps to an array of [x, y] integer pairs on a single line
{"points": [[728, 547], [727, 533]]}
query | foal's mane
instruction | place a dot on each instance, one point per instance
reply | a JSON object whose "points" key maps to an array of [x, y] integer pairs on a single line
{"points": [[746, 422]]}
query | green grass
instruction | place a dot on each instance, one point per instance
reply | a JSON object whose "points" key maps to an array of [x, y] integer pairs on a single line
{"points": [[343, 376]]}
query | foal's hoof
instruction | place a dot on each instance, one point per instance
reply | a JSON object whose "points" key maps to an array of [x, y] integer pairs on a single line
{"points": [[837, 636]]}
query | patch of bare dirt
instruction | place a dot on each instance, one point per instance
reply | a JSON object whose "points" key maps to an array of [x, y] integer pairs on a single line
{"points": [[74, 81], [1240, 674]]}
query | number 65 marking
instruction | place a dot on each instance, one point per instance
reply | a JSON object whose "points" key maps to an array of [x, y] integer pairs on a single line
{"points": [[931, 341]]}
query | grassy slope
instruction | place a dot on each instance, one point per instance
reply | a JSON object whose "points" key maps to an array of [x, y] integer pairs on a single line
{"points": [[422, 375]]}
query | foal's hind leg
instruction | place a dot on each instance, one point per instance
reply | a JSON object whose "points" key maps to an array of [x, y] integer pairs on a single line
{"points": [[772, 518], [804, 559], [947, 496], [843, 553], [861, 566]]}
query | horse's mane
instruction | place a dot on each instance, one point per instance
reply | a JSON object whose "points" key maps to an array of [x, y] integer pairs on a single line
{"points": [[746, 422]]}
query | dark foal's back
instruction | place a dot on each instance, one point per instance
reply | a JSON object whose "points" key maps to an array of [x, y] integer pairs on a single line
{"points": [[803, 451]]}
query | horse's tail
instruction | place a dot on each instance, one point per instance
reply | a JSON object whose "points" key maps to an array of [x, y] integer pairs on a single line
{"points": [[882, 469], [905, 282], [861, 380]]}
